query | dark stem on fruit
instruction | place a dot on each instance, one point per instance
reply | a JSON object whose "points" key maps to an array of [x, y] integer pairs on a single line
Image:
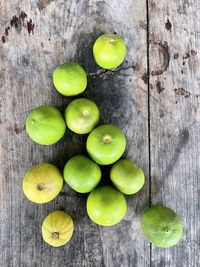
{"points": [[166, 230], [55, 235], [40, 186], [106, 139]]}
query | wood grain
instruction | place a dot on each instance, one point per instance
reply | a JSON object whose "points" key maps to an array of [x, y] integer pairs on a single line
{"points": [[174, 122], [36, 37]]}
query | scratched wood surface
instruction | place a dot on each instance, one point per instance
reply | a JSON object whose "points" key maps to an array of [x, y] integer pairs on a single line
{"points": [[175, 121], [36, 36], [157, 108]]}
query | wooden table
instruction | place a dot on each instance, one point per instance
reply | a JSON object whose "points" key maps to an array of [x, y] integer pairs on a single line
{"points": [[154, 97]]}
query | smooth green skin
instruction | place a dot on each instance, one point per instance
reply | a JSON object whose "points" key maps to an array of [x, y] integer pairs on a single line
{"points": [[106, 153], [70, 79], [109, 51], [161, 226], [82, 115], [106, 206], [127, 177], [82, 174], [45, 125]]}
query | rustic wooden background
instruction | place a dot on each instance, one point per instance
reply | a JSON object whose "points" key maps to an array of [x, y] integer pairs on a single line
{"points": [[154, 96]]}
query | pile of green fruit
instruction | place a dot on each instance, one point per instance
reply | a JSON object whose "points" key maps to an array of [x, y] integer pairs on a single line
{"points": [[106, 205]]}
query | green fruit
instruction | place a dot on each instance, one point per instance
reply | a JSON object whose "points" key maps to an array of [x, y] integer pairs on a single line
{"points": [[70, 79], [42, 183], [45, 125], [106, 206], [127, 177], [82, 115], [82, 174], [109, 51], [161, 226], [106, 144]]}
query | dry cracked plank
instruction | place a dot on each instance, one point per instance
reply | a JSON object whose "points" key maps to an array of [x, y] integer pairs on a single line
{"points": [[174, 44], [36, 37]]}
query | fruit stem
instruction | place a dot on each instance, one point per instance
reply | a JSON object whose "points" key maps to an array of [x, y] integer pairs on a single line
{"points": [[106, 139], [86, 113], [55, 235], [41, 186], [112, 41], [166, 230]]}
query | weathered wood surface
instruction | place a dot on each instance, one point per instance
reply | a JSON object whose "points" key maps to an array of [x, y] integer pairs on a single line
{"points": [[39, 35], [36, 37], [175, 122]]}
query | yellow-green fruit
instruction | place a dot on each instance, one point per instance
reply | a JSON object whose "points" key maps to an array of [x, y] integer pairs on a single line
{"points": [[106, 206], [106, 144], [57, 228], [45, 125], [127, 177], [109, 51], [161, 226], [82, 174], [70, 79], [82, 115], [42, 183]]}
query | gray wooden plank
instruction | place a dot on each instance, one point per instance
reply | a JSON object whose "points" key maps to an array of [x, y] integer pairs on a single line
{"points": [[175, 124], [33, 43]]}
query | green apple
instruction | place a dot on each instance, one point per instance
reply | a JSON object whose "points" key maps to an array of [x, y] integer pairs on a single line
{"points": [[161, 226], [70, 79], [127, 177], [82, 115], [82, 174], [45, 125], [109, 51], [106, 206], [106, 144]]}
